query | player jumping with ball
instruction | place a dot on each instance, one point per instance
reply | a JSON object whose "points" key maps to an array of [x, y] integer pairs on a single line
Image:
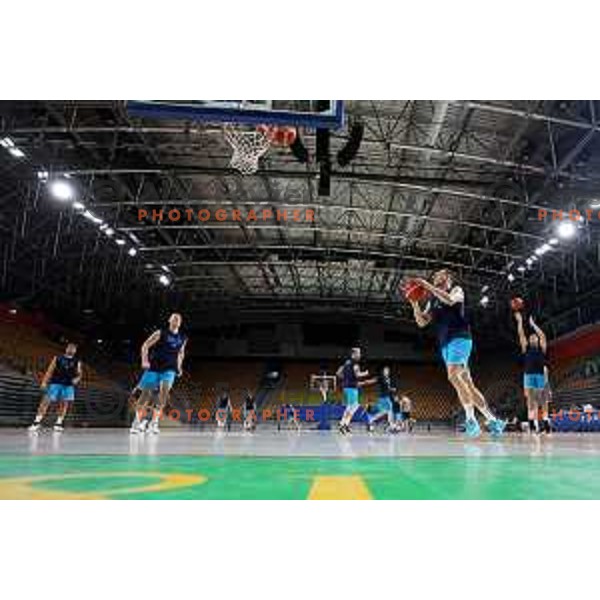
{"points": [[446, 310]]}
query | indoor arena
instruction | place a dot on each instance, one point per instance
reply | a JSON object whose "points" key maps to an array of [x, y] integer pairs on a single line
{"points": [[300, 299]]}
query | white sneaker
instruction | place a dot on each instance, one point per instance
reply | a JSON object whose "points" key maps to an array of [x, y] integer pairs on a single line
{"points": [[153, 428], [34, 428], [58, 428]]}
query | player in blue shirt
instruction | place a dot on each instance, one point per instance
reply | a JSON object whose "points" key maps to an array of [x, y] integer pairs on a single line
{"points": [[162, 360], [350, 374], [446, 311], [60, 379], [385, 392], [535, 377]]}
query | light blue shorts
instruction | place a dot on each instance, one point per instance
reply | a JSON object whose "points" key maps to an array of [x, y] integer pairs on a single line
{"points": [[58, 392], [350, 396], [384, 404], [152, 379], [457, 351], [534, 381]]}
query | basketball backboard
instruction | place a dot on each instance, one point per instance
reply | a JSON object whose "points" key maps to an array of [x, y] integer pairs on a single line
{"points": [[316, 114]]}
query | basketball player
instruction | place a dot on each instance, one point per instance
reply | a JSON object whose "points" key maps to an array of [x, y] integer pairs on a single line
{"points": [[162, 358], [58, 383], [224, 409], [249, 412], [385, 391], [406, 412], [446, 310], [535, 373], [350, 374]]}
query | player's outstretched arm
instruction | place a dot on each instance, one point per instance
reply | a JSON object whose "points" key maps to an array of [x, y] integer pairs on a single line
{"points": [[540, 333], [521, 332]]}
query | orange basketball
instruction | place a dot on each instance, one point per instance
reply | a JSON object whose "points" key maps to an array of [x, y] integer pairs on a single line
{"points": [[284, 136], [414, 292], [279, 135], [517, 304]]}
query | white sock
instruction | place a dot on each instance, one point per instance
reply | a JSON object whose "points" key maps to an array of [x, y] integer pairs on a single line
{"points": [[470, 411], [59, 420]]}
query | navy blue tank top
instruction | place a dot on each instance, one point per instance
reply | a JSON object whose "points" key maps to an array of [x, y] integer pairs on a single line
{"points": [[165, 352], [65, 370], [348, 376], [449, 320], [534, 361], [384, 386]]}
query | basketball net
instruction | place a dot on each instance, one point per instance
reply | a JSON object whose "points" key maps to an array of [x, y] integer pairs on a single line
{"points": [[248, 147]]}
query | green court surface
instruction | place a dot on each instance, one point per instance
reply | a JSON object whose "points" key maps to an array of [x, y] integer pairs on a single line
{"points": [[231, 477]]}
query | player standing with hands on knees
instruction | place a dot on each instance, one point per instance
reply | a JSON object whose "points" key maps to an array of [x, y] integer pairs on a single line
{"points": [[446, 311]]}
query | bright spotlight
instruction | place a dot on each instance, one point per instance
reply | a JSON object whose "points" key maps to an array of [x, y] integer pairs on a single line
{"points": [[511, 277], [166, 281], [484, 301], [109, 231], [7, 143], [566, 229], [120, 242], [62, 190], [521, 269], [132, 252], [553, 241], [16, 152], [78, 206]]}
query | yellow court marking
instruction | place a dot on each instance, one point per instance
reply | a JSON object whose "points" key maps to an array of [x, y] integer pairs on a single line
{"points": [[336, 487], [22, 488]]}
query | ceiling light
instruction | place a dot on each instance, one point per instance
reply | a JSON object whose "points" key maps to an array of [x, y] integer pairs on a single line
{"points": [[132, 252], [120, 242], [553, 241], [166, 281], [511, 277], [484, 301], [595, 204], [521, 269], [109, 231], [92, 217], [43, 175], [566, 229], [165, 268], [7, 143], [17, 152], [62, 190], [78, 206]]}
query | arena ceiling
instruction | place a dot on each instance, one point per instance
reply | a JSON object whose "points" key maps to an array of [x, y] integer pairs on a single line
{"points": [[434, 183]]}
